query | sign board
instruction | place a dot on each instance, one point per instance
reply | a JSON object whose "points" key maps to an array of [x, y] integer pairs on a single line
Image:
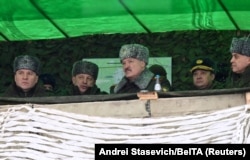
{"points": [[111, 72]]}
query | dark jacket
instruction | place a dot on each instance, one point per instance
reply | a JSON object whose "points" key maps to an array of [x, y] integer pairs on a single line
{"points": [[165, 84], [14, 91], [240, 80], [90, 91], [145, 81]]}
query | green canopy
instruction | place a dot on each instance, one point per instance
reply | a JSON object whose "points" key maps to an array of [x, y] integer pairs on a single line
{"points": [[51, 19]]}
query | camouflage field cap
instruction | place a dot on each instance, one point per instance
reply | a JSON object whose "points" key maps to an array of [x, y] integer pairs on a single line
{"points": [[85, 67], [137, 51], [241, 46], [203, 64], [27, 62]]}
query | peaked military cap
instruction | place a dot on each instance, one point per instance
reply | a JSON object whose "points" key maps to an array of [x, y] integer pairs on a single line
{"points": [[203, 64]]}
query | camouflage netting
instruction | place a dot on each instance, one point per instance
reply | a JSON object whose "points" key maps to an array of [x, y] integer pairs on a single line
{"points": [[30, 131]]}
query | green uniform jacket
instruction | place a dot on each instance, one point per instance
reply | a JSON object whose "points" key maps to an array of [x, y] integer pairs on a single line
{"points": [[145, 81], [215, 85], [241, 80], [15, 91]]}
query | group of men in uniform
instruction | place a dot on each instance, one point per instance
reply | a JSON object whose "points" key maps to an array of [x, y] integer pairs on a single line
{"points": [[137, 76]]}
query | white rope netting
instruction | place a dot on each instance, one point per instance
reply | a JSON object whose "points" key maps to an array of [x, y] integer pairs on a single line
{"points": [[49, 134]]}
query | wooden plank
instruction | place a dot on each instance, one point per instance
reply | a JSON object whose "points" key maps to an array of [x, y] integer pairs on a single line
{"points": [[129, 108], [159, 107], [187, 105]]}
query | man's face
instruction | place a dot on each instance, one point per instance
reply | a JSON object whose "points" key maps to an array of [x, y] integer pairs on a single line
{"points": [[239, 62], [202, 79], [25, 79], [83, 82], [132, 67]]}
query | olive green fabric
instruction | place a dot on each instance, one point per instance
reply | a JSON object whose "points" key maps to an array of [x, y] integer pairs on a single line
{"points": [[51, 19], [214, 85], [203, 64], [241, 80]]}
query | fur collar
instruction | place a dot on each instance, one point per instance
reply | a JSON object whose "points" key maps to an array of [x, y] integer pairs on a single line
{"points": [[142, 81]]}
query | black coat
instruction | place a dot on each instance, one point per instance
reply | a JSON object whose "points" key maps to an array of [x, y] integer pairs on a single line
{"points": [[90, 91], [14, 91], [145, 81]]}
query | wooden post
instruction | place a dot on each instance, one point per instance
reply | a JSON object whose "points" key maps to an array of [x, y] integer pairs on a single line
{"points": [[248, 98]]}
